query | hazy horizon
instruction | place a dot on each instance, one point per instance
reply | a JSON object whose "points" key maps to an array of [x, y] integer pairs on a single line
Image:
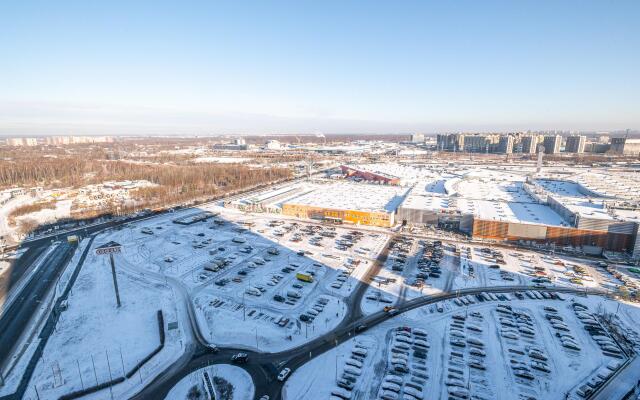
{"points": [[157, 68]]}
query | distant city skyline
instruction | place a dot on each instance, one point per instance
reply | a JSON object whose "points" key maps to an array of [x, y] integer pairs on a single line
{"points": [[202, 68]]}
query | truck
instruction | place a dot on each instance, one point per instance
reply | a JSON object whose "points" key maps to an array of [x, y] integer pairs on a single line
{"points": [[304, 277], [72, 238]]}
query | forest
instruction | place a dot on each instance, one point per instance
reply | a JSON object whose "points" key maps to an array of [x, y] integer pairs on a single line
{"points": [[175, 182]]}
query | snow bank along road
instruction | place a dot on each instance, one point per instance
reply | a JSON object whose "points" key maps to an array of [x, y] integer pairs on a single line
{"points": [[17, 315], [264, 367]]}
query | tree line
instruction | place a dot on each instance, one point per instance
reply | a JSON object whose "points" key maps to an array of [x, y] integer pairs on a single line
{"points": [[174, 183], [76, 172]]}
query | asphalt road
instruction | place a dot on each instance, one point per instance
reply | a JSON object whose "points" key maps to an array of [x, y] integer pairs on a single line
{"points": [[17, 269], [18, 314]]}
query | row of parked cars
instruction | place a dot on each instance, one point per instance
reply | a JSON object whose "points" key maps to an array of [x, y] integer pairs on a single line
{"points": [[597, 332], [467, 354], [406, 374], [596, 380], [521, 325], [348, 240], [562, 330], [343, 275], [312, 312], [351, 372], [428, 264]]}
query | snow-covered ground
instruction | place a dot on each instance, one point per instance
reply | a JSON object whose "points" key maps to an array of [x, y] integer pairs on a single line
{"points": [[8, 231], [95, 341], [228, 382]]}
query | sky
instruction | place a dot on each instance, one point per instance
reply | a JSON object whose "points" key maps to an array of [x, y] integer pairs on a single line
{"points": [[207, 67]]}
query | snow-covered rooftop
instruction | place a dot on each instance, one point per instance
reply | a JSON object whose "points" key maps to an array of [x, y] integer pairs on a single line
{"points": [[347, 196]]}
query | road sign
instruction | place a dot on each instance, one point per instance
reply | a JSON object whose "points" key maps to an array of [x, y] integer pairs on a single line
{"points": [[108, 250]]}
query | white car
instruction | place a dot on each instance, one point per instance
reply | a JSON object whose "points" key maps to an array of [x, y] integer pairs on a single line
{"points": [[284, 374]]}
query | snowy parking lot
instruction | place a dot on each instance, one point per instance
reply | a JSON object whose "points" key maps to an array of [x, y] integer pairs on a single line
{"points": [[491, 348]]}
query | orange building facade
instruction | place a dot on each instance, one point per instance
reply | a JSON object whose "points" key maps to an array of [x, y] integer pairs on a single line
{"points": [[372, 218]]}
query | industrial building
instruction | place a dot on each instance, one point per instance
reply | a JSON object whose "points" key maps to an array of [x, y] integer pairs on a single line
{"points": [[586, 210], [363, 204], [237, 144], [513, 207]]}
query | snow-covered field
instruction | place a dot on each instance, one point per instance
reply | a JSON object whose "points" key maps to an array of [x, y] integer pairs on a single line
{"points": [[95, 341]]}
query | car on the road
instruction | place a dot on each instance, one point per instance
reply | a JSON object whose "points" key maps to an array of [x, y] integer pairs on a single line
{"points": [[284, 374], [213, 348], [240, 358], [391, 310], [265, 397], [361, 328]]}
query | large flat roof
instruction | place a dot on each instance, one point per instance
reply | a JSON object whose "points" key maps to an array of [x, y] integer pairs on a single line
{"points": [[348, 196], [507, 211]]}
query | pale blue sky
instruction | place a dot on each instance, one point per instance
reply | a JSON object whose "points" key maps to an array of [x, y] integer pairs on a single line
{"points": [[89, 67]]}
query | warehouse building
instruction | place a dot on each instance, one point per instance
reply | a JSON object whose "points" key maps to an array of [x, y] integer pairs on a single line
{"points": [[363, 204], [488, 206]]}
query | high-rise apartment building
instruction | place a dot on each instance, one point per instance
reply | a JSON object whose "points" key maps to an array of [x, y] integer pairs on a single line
{"points": [[529, 144], [552, 144], [575, 144]]}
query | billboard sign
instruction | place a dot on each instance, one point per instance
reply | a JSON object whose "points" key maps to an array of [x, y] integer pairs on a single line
{"points": [[108, 250]]}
